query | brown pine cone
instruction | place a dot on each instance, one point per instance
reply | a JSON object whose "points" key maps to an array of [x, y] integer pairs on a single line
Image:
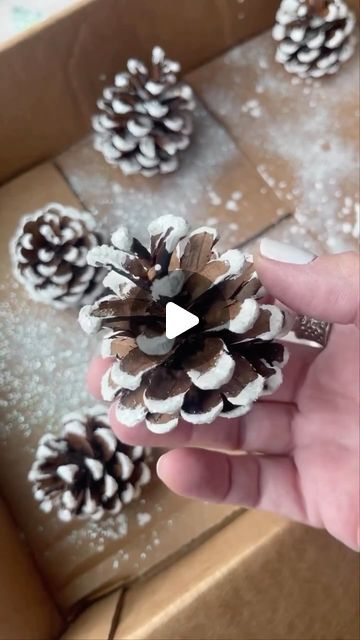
{"points": [[221, 366], [145, 118], [86, 471], [49, 252], [315, 36]]}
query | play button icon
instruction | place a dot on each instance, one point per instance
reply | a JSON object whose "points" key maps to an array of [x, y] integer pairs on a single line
{"points": [[178, 320]]}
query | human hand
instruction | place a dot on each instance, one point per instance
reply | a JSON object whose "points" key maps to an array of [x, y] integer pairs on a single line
{"points": [[300, 446]]}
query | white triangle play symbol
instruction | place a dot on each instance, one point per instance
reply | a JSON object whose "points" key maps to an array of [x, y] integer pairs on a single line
{"points": [[178, 320]]}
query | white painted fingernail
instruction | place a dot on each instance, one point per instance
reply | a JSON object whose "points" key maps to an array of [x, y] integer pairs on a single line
{"points": [[282, 252], [159, 464]]}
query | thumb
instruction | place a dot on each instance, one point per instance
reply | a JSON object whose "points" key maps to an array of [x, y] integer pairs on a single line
{"points": [[326, 288]]}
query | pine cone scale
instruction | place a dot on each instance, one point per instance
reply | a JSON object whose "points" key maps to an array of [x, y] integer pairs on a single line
{"points": [[161, 423], [166, 391], [202, 406], [246, 384], [198, 251], [131, 407]]}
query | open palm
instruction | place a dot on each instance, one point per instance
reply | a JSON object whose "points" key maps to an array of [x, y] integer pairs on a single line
{"points": [[297, 453]]}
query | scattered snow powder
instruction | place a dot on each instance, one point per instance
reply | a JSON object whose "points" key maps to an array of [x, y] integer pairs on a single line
{"points": [[231, 206], [306, 144], [143, 518], [253, 108], [212, 221]]}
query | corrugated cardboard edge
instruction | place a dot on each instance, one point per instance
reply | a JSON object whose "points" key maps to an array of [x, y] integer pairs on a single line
{"points": [[52, 75]]}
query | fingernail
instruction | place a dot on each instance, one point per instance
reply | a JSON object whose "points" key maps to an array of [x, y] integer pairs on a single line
{"points": [[159, 465], [282, 252]]}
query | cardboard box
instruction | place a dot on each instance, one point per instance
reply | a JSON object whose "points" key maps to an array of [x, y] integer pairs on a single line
{"points": [[219, 572]]}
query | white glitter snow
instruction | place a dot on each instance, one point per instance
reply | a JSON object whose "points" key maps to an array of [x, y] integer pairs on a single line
{"points": [[305, 128]]}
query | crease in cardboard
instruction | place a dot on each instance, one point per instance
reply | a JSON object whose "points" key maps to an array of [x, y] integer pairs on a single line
{"points": [[55, 162], [111, 586], [116, 618], [265, 230]]}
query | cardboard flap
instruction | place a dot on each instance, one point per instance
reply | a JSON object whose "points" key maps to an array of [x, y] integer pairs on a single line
{"points": [[260, 577], [26, 609]]}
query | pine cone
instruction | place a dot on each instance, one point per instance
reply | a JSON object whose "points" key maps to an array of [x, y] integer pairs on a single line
{"points": [[145, 118], [49, 256], [86, 472], [315, 36], [221, 366]]}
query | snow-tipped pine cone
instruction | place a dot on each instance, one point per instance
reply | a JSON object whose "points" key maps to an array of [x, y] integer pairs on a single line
{"points": [[145, 119], [49, 252], [221, 366], [86, 471], [314, 36]]}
